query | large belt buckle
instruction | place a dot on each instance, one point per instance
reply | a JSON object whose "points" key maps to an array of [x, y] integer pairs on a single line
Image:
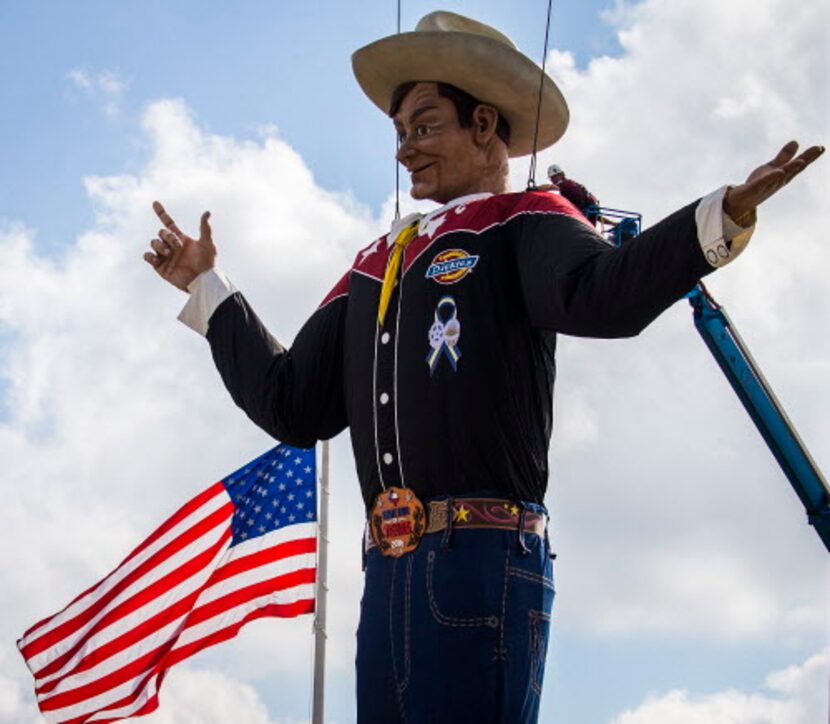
{"points": [[397, 521]]}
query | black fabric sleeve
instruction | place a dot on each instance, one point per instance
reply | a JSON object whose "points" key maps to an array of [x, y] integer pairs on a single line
{"points": [[575, 283], [295, 395]]}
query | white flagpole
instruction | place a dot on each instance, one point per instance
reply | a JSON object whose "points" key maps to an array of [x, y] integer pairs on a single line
{"points": [[319, 685]]}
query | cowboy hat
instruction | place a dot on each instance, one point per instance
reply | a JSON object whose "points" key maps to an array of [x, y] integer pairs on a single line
{"points": [[477, 59]]}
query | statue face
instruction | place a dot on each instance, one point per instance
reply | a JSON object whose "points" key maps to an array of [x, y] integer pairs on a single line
{"points": [[442, 158]]}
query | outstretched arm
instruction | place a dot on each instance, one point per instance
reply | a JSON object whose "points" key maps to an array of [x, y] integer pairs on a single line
{"points": [[576, 284], [296, 394]]}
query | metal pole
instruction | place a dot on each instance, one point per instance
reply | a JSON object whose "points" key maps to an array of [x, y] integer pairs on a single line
{"points": [[319, 685]]}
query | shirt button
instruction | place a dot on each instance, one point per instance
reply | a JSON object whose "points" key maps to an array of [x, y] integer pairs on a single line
{"points": [[384, 398], [384, 338], [387, 458]]}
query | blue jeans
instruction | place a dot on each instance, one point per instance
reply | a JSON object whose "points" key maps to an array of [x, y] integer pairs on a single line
{"points": [[457, 630]]}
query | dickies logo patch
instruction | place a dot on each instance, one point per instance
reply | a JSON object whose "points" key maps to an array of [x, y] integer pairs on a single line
{"points": [[451, 266]]}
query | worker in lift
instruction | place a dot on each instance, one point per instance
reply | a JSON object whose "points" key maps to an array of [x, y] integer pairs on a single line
{"points": [[574, 191]]}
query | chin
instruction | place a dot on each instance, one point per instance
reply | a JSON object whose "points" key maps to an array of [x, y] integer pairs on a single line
{"points": [[420, 193]]}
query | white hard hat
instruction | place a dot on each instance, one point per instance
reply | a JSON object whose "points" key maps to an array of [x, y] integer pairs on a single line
{"points": [[554, 169]]}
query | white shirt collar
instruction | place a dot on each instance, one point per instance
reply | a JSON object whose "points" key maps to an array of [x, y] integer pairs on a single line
{"points": [[424, 219]]}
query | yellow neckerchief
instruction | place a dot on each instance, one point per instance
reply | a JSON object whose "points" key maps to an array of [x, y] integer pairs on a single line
{"points": [[407, 234]]}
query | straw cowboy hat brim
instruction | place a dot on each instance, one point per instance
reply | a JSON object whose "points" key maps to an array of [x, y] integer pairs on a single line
{"points": [[487, 66]]}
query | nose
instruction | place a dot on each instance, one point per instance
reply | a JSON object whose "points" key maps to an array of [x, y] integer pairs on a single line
{"points": [[404, 153]]}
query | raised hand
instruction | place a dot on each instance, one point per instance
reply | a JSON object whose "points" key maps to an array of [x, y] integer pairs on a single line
{"points": [[179, 258], [741, 201]]}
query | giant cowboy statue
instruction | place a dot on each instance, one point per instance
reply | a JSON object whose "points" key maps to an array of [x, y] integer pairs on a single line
{"points": [[451, 432]]}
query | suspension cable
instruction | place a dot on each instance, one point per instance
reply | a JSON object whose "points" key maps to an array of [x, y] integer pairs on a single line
{"points": [[531, 176], [398, 148]]}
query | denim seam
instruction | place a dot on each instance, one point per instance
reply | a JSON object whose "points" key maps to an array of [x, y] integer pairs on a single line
{"points": [[392, 641], [530, 576], [491, 621], [501, 651], [534, 644], [406, 648]]}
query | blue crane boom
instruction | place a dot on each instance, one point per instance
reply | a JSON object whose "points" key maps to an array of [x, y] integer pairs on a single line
{"points": [[763, 407], [747, 380]]}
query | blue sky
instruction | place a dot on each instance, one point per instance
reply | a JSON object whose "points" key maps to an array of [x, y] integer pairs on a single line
{"points": [[239, 68], [689, 586]]}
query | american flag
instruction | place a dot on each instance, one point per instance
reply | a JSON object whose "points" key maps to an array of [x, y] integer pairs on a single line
{"points": [[242, 549]]}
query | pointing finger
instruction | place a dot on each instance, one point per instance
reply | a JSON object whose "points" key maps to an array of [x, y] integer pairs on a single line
{"points": [[166, 219]]}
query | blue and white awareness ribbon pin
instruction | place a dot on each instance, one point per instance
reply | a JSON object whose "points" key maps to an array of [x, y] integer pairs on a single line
{"points": [[444, 334]]}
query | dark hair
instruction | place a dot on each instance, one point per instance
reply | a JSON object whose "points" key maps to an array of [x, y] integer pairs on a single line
{"points": [[464, 104]]}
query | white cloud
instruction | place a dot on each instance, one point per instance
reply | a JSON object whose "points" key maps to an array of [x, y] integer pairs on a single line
{"points": [[669, 514], [113, 407], [674, 480], [105, 89], [195, 696], [796, 695]]}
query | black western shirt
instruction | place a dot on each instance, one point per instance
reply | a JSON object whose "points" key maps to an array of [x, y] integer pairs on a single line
{"points": [[454, 392]]}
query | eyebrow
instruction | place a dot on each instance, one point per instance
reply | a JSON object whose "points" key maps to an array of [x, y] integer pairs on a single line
{"points": [[416, 114]]}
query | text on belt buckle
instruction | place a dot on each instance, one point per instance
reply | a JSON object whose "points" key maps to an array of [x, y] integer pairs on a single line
{"points": [[397, 521]]}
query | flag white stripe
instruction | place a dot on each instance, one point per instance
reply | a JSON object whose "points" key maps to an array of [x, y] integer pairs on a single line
{"points": [[150, 642], [275, 537], [233, 615], [224, 587], [95, 703], [210, 506], [210, 537], [256, 575], [190, 593], [137, 617], [123, 657], [196, 633]]}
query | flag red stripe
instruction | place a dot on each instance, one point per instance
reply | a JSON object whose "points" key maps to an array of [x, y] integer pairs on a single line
{"points": [[162, 658], [281, 610], [187, 509], [290, 610], [147, 662], [263, 557], [143, 597], [124, 641], [255, 590], [171, 522], [50, 638], [111, 648], [124, 701], [103, 657]]}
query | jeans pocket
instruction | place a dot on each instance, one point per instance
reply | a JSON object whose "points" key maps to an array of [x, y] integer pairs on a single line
{"points": [[460, 594]]}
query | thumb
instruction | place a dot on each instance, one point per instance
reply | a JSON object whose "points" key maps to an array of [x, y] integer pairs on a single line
{"points": [[204, 227]]}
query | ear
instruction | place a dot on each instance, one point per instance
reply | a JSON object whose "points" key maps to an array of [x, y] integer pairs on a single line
{"points": [[485, 119]]}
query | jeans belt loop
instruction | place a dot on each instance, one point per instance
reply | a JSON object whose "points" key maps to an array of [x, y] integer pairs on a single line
{"points": [[523, 549], [446, 539]]}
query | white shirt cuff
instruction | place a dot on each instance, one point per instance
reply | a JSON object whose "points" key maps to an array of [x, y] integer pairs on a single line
{"points": [[720, 238], [207, 292]]}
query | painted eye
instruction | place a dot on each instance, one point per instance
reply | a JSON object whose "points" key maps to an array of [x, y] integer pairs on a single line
{"points": [[401, 138], [421, 131]]}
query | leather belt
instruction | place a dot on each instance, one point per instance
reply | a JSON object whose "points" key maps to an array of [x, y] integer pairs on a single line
{"points": [[478, 513]]}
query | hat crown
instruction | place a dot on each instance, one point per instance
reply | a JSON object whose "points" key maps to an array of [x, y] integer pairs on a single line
{"points": [[444, 21]]}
